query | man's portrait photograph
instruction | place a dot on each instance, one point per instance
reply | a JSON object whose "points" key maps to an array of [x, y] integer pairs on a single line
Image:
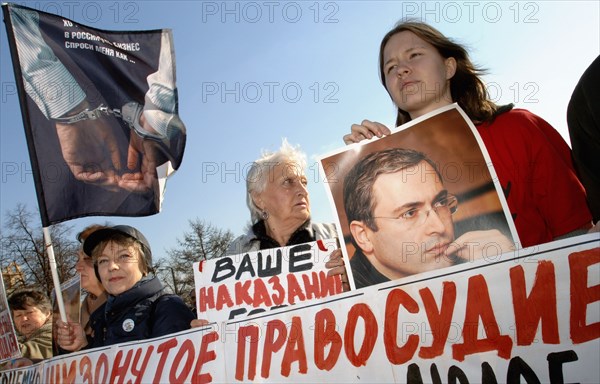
{"points": [[418, 200]]}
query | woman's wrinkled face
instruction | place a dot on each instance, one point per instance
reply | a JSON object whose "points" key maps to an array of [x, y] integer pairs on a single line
{"points": [[417, 77], [285, 197], [119, 268]]}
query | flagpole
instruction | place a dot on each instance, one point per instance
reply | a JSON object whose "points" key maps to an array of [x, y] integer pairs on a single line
{"points": [[55, 279]]}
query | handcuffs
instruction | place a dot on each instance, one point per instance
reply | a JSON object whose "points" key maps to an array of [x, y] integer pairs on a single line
{"points": [[130, 113]]}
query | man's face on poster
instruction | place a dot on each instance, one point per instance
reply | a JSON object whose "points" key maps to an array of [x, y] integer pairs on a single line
{"points": [[411, 235]]}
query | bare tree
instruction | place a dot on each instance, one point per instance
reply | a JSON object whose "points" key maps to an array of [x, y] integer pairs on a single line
{"points": [[202, 242], [23, 245]]}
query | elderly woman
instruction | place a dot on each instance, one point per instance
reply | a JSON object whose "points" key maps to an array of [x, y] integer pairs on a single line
{"points": [[137, 307], [277, 197], [279, 204], [32, 314]]}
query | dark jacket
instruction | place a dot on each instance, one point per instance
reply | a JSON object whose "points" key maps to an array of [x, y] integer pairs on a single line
{"points": [[256, 238], [364, 273], [142, 312]]}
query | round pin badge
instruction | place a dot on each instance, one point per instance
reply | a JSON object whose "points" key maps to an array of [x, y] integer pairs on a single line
{"points": [[128, 325]]}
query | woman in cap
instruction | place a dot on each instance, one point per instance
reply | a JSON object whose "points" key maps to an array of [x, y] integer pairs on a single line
{"points": [[137, 307]]}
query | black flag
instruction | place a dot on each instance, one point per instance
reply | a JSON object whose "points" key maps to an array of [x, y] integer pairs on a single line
{"points": [[100, 111]]}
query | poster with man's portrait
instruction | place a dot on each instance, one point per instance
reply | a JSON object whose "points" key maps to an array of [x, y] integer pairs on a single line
{"points": [[418, 200]]}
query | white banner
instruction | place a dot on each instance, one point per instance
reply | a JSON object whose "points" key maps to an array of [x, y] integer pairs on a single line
{"points": [[250, 283], [529, 317]]}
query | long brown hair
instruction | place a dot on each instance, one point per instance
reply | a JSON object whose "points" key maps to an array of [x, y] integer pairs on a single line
{"points": [[466, 87]]}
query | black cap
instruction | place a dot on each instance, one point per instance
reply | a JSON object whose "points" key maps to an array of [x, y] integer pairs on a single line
{"points": [[97, 236]]}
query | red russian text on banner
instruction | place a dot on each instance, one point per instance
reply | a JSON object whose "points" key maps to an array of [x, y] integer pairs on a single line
{"points": [[530, 317], [242, 285]]}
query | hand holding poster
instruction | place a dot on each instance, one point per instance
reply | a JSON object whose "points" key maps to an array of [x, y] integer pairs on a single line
{"points": [[420, 199], [246, 284]]}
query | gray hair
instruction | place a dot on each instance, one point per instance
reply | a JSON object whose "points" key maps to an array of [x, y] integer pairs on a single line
{"points": [[261, 172]]}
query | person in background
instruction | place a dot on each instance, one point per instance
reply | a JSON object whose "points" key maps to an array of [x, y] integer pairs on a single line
{"points": [[32, 314], [95, 292], [583, 118], [423, 70], [277, 197], [137, 307], [279, 204]]}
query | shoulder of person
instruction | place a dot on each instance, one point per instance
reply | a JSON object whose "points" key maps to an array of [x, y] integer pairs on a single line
{"points": [[242, 244], [522, 122], [168, 299], [538, 129], [171, 306], [518, 118], [324, 230]]}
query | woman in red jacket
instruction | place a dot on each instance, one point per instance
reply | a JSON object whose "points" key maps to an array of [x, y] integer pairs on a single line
{"points": [[423, 70]]}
